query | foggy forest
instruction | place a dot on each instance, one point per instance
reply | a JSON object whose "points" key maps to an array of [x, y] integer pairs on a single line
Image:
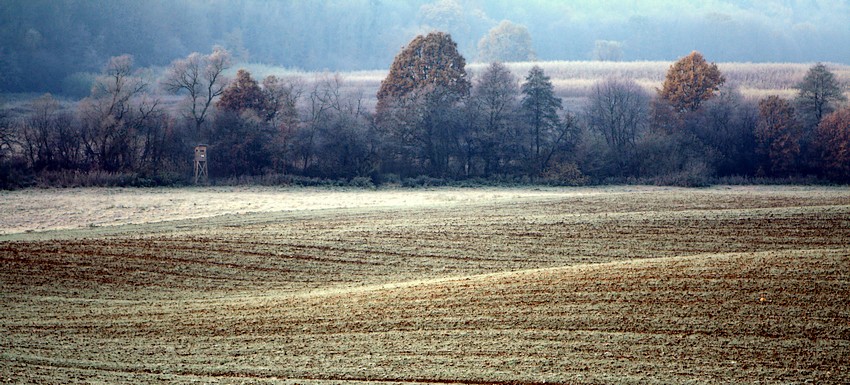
{"points": [[119, 92]]}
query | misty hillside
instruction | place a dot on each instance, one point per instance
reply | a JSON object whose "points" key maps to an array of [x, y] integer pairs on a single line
{"points": [[55, 45]]}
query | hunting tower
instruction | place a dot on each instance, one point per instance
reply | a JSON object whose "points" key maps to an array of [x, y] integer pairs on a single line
{"points": [[201, 171]]}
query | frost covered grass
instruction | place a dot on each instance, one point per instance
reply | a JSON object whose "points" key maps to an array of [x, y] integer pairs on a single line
{"points": [[35, 210]]}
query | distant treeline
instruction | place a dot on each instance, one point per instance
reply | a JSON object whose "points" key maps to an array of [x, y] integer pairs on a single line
{"points": [[433, 124], [59, 46]]}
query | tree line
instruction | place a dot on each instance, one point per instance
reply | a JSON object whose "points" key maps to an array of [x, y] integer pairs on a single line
{"points": [[432, 122]]}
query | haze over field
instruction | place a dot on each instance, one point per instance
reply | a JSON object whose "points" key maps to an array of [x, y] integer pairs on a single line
{"points": [[50, 45]]}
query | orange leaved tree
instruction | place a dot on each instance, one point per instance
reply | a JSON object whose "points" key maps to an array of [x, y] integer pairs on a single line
{"points": [[418, 100], [777, 136], [243, 94], [429, 64], [833, 136], [691, 81]]}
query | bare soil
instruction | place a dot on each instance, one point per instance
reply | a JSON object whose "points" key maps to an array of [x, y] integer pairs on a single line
{"points": [[615, 285]]}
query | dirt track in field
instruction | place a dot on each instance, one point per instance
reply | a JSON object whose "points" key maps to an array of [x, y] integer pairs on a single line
{"points": [[571, 286]]}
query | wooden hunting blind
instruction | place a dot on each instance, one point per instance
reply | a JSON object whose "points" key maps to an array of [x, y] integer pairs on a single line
{"points": [[201, 170]]}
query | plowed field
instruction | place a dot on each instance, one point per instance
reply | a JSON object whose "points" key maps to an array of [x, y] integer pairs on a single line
{"points": [[637, 285]]}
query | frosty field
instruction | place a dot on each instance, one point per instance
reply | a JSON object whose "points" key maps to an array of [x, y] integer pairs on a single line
{"points": [[509, 286]]}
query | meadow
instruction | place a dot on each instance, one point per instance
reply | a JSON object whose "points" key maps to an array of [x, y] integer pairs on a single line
{"points": [[488, 285]]}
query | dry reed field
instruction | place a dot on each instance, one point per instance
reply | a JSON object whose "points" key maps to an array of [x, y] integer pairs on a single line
{"points": [[574, 80], [636, 285]]}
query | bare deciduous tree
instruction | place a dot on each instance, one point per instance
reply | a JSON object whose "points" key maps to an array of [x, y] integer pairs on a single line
{"points": [[326, 107], [202, 78], [281, 97], [114, 114], [618, 109], [494, 97], [281, 113], [7, 134], [344, 146], [727, 126], [39, 130]]}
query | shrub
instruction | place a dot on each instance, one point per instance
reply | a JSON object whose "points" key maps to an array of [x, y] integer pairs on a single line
{"points": [[15, 174], [564, 174], [386, 179], [423, 181], [362, 182], [694, 174], [85, 179]]}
